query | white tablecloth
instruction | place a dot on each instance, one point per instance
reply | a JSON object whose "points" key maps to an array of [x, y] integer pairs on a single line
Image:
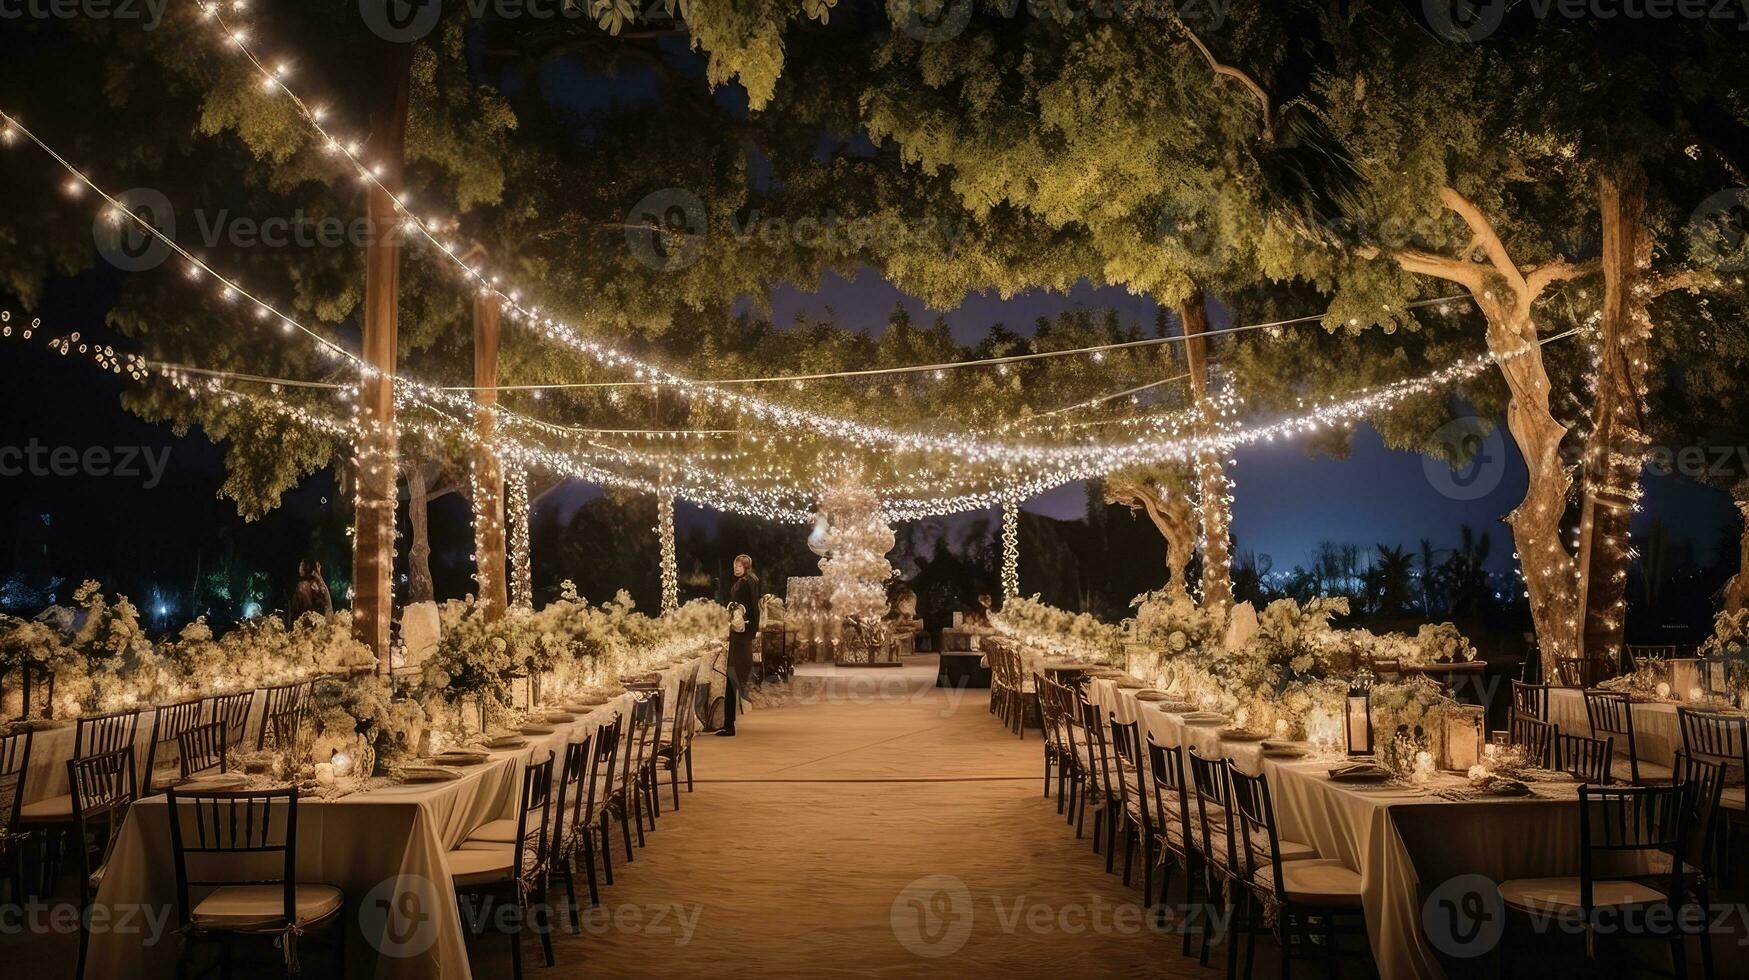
{"points": [[1402, 842], [380, 845]]}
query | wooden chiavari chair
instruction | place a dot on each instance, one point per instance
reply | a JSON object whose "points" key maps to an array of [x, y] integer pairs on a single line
{"points": [[652, 704], [169, 722], [674, 748], [1611, 713], [1102, 790], [1586, 759], [1304, 888], [1072, 791], [1131, 778], [1618, 824], [608, 740], [1171, 844], [1051, 721], [1721, 737], [222, 842], [519, 872], [282, 714], [1705, 782], [93, 735], [1212, 837], [1530, 700], [102, 788], [201, 749], [1573, 672], [1537, 738], [233, 710], [14, 771]]}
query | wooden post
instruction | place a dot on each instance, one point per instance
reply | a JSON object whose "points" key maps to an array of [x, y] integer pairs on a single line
{"points": [[488, 483], [373, 546]]}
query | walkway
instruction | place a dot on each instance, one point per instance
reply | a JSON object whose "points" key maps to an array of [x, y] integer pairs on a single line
{"points": [[862, 834]]}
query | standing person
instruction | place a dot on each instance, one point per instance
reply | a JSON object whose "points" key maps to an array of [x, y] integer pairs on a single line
{"points": [[744, 593]]}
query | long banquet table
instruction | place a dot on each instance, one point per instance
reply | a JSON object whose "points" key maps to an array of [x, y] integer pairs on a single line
{"points": [[1402, 841], [382, 847]]}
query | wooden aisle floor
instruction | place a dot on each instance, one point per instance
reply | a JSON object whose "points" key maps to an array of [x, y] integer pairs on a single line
{"points": [[864, 836]]}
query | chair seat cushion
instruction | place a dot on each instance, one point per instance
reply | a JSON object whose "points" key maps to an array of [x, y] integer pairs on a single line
{"points": [[263, 906], [1650, 772], [1314, 881], [482, 865], [1732, 797], [1562, 894], [493, 832], [53, 808]]}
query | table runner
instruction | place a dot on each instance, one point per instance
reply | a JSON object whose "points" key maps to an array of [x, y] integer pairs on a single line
{"points": [[378, 846]]}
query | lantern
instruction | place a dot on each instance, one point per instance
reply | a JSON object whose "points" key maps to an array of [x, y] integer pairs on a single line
{"points": [[1358, 718], [1684, 676], [1462, 737]]}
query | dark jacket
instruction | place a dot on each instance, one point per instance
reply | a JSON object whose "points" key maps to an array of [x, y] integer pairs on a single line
{"points": [[746, 592], [311, 595]]}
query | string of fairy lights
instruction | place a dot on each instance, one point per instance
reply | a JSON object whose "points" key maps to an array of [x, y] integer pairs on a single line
{"points": [[952, 472]]}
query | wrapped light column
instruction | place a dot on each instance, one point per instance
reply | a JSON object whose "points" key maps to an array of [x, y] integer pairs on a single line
{"points": [[1010, 545], [517, 516], [670, 569]]}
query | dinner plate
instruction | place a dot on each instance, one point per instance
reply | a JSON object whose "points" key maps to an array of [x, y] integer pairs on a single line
{"points": [[459, 758], [537, 729], [1127, 683], [1368, 775], [429, 774], [1152, 695], [1240, 735], [1285, 752], [1177, 707], [1507, 789], [507, 742], [1202, 720], [560, 717]]}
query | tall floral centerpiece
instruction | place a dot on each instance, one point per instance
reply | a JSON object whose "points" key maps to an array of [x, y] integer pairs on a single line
{"points": [[856, 540]]}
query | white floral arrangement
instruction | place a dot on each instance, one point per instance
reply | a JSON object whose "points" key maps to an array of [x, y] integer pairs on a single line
{"points": [[1730, 642], [1174, 624], [1059, 633]]}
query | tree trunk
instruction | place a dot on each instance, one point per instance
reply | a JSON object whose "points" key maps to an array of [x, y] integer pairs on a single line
{"points": [[1171, 516], [1213, 490], [1737, 589], [1615, 449], [491, 570], [373, 548], [419, 586]]}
